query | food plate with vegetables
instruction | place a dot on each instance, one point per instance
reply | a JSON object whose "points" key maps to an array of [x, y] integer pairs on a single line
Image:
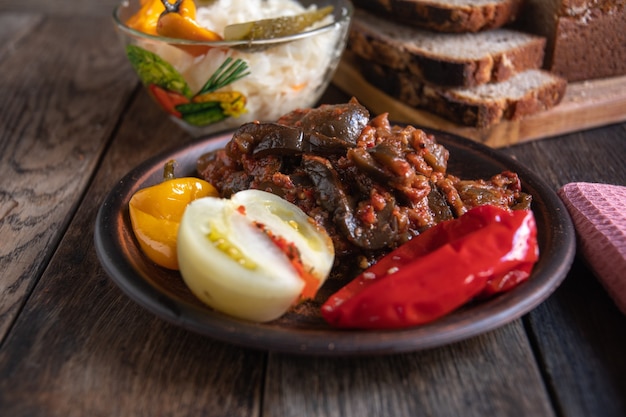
{"points": [[303, 329]]}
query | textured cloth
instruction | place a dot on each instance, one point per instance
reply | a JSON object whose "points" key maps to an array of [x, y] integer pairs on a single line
{"points": [[599, 215]]}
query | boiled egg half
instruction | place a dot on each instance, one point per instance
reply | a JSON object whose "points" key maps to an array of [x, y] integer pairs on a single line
{"points": [[252, 256]]}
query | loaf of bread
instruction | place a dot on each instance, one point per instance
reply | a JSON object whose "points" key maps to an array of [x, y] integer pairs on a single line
{"points": [[586, 39], [481, 106], [446, 15], [447, 59]]}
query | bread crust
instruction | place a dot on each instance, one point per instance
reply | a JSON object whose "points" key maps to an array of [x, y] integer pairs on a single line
{"points": [[442, 17], [586, 39], [369, 40], [452, 104]]}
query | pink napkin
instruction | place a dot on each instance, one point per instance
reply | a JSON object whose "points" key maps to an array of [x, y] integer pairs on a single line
{"points": [[599, 215]]}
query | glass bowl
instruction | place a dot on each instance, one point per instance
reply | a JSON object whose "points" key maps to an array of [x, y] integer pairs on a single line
{"points": [[207, 87]]}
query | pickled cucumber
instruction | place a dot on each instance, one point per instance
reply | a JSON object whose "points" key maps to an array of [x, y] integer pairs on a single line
{"points": [[276, 27]]}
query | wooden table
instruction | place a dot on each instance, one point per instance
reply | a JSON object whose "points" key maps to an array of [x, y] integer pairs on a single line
{"points": [[73, 120]]}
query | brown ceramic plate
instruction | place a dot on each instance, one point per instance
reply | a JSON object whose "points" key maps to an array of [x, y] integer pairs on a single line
{"points": [[304, 331]]}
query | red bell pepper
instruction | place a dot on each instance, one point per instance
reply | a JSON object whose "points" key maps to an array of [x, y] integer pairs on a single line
{"points": [[485, 251], [168, 100]]}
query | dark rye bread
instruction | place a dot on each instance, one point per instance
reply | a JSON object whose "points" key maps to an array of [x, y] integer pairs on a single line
{"points": [[586, 39], [447, 59], [446, 15], [526, 93]]}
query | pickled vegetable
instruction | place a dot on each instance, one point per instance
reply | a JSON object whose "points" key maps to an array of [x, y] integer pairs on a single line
{"points": [[276, 27], [145, 20], [179, 21], [153, 70], [155, 214]]}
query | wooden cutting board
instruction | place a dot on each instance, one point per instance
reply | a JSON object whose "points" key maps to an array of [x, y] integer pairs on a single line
{"points": [[586, 105]]}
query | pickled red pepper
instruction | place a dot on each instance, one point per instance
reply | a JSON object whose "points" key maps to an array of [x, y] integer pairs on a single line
{"points": [[485, 251]]}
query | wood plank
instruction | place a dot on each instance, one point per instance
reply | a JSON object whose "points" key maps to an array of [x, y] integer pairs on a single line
{"points": [[583, 348], [585, 105], [13, 27], [53, 134], [482, 376], [579, 333], [62, 7], [81, 347]]}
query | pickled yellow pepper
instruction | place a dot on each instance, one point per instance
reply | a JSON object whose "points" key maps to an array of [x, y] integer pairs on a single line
{"points": [[173, 20], [155, 214], [179, 22], [145, 20]]}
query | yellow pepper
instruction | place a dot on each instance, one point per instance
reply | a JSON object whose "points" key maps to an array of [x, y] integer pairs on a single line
{"points": [[145, 20], [156, 211], [173, 20], [179, 22], [233, 103]]}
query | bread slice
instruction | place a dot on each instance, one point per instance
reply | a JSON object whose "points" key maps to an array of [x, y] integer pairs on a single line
{"points": [[586, 39], [447, 15], [481, 106], [466, 59]]}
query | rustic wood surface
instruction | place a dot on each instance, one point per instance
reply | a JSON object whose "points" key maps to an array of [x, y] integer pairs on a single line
{"points": [[73, 120]]}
